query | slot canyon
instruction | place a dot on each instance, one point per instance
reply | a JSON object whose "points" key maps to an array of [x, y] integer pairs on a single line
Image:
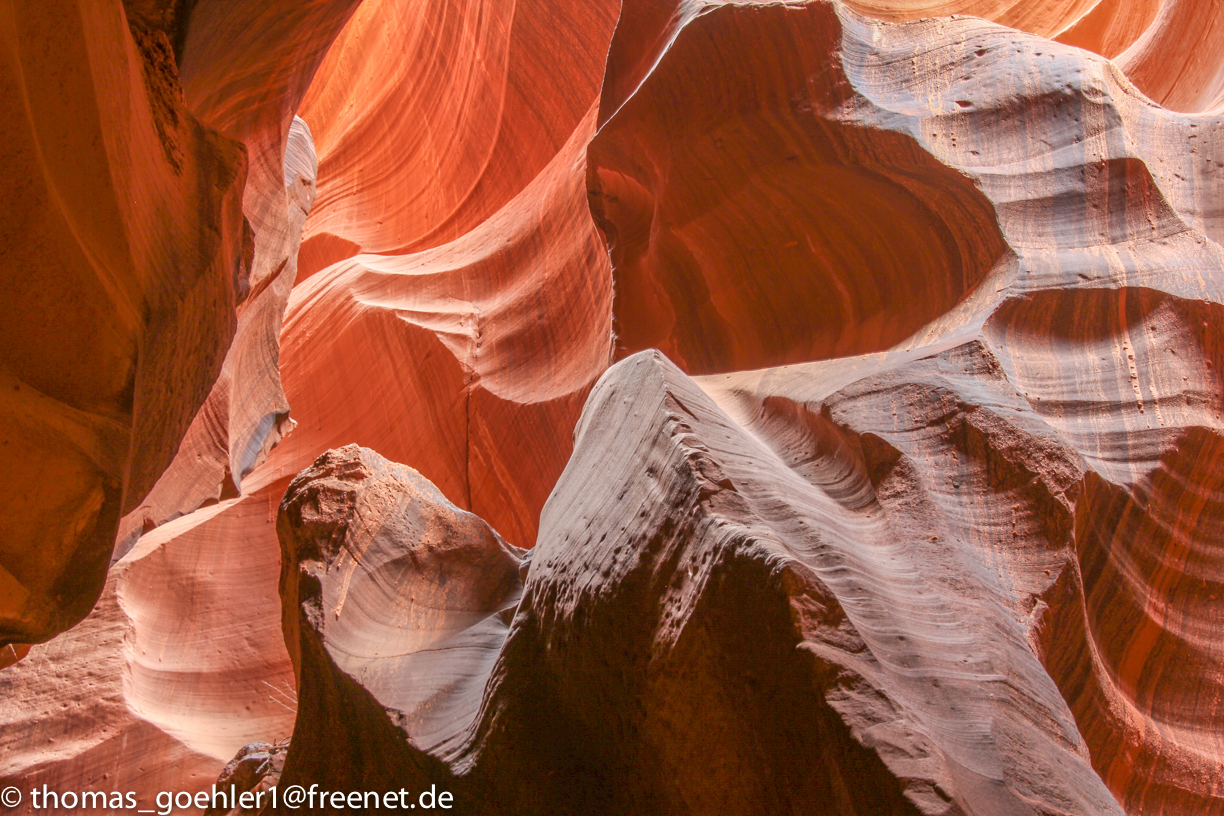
{"points": [[612, 408]]}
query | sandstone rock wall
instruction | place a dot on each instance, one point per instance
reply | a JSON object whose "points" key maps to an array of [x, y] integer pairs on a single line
{"points": [[125, 255], [897, 498]]}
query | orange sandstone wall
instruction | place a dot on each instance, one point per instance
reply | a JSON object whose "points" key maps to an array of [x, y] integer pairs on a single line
{"points": [[470, 358], [850, 371], [125, 255]]}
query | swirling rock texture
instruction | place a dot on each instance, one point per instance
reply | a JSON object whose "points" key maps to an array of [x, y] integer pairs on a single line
{"points": [[246, 412], [245, 68], [470, 359], [717, 618], [70, 720], [899, 500], [430, 115], [964, 534], [125, 255], [175, 105], [385, 580]]}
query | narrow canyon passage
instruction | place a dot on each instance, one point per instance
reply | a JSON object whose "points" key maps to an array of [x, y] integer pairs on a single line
{"points": [[619, 407]]}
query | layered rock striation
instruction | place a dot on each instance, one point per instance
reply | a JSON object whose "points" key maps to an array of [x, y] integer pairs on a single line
{"points": [[391, 600], [963, 532], [898, 500], [245, 69], [125, 255], [471, 359]]}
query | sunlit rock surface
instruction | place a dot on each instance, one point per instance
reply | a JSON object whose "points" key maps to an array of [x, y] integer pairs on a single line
{"points": [[245, 69], [391, 599], [506, 327], [989, 501], [785, 614], [246, 413], [900, 498], [430, 115]]}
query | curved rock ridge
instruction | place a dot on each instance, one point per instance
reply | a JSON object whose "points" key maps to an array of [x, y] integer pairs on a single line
{"points": [[185, 649], [903, 571], [920, 516], [857, 171], [1107, 390], [1148, 409], [246, 412], [391, 597], [803, 594], [125, 253], [431, 115], [471, 360], [245, 68], [1112, 26], [130, 699], [489, 343], [859, 235], [1178, 60], [944, 526]]}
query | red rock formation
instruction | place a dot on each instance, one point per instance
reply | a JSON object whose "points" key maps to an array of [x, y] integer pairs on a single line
{"points": [[921, 519], [1144, 587], [124, 257], [245, 69], [246, 412], [1112, 26], [387, 584], [69, 725], [797, 590], [195, 586], [1179, 59], [859, 235], [928, 521], [182, 235], [175, 662], [1111, 227], [430, 116], [505, 328]]}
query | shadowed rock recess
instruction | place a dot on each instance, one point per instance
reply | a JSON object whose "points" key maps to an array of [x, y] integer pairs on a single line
{"points": [[687, 407]]}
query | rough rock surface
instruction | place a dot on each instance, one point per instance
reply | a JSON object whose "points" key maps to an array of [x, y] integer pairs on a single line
{"points": [[920, 517], [884, 200], [245, 68], [471, 360], [891, 568], [246, 412], [170, 673], [949, 560], [391, 598], [256, 769], [1102, 314], [125, 255]]}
